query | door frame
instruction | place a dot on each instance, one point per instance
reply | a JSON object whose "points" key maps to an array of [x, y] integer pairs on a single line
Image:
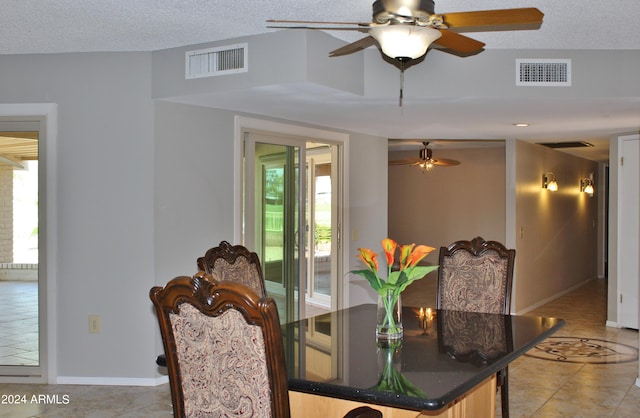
{"points": [[320, 135], [46, 114], [627, 315]]}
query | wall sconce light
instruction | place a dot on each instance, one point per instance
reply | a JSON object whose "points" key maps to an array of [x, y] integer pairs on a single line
{"points": [[586, 186], [549, 182]]}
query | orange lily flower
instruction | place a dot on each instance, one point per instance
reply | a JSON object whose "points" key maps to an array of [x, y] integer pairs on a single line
{"points": [[405, 251], [370, 258], [389, 246], [418, 254]]}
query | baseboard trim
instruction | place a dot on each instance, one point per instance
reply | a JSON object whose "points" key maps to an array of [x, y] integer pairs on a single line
{"points": [[111, 381], [612, 324]]}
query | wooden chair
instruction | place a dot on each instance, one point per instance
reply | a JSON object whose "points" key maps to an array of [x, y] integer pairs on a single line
{"points": [[224, 350], [234, 263], [477, 276]]}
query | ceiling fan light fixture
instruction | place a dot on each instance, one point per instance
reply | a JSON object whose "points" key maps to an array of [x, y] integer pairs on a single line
{"points": [[404, 42], [426, 166]]}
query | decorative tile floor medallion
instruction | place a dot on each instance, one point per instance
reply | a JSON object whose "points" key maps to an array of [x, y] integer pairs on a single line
{"points": [[583, 350]]}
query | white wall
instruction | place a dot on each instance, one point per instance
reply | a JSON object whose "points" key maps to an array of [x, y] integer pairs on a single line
{"points": [[194, 184], [104, 206], [448, 204], [367, 209]]}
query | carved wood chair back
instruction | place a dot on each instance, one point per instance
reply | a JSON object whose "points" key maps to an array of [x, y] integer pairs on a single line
{"points": [[236, 263], [475, 276], [224, 348]]}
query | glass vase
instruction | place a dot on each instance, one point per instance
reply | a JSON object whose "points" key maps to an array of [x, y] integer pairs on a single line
{"points": [[389, 316]]}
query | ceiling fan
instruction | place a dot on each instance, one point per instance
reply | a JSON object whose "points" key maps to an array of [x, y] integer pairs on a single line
{"points": [[426, 161], [404, 29]]}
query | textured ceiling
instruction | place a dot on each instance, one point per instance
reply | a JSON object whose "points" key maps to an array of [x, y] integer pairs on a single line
{"points": [[36, 26]]}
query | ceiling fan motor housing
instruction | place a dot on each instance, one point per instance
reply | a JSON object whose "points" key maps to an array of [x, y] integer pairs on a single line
{"points": [[425, 154], [385, 10]]}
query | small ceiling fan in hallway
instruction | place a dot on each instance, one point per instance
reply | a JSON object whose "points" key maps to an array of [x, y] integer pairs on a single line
{"points": [[426, 161]]}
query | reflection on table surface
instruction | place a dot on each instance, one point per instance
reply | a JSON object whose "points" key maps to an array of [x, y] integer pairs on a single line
{"points": [[336, 354]]}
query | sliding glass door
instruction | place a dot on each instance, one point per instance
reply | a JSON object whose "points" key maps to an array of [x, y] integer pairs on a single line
{"points": [[291, 219], [273, 225]]}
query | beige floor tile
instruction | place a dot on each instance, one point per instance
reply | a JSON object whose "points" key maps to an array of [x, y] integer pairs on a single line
{"points": [[630, 406]]}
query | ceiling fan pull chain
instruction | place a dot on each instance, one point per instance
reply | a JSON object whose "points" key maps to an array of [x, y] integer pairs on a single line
{"points": [[401, 81]]}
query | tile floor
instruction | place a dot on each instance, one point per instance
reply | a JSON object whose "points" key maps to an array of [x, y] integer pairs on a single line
{"points": [[543, 388], [538, 388], [18, 323]]}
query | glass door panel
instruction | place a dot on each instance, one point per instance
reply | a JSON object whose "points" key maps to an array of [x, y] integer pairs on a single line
{"points": [[272, 218], [320, 226], [20, 282]]}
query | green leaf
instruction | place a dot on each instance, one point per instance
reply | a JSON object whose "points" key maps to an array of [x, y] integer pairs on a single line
{"points": [[394, 276], [371, 277], [415, 273]]}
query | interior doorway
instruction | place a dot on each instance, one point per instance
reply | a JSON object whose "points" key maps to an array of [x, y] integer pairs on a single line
{"points": [[21, 296]]}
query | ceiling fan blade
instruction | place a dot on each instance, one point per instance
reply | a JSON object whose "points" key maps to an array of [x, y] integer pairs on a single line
{"points": [[459, 43], [316, 27], [488, 20], [353, 47], [444, 162], [313, 22], [408, 161]]}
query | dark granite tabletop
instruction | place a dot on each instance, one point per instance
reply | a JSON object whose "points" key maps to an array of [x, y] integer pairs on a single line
{"points": [[337, 355]]}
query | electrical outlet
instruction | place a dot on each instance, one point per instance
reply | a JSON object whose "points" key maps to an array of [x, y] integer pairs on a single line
{"points": [[94, 324]]}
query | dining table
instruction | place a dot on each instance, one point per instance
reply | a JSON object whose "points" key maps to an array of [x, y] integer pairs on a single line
{"points": [[444, 365]]}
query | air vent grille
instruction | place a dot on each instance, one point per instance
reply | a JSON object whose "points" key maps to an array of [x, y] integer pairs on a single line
{"points": [[210, 62], [569, 144], [543, 72]]}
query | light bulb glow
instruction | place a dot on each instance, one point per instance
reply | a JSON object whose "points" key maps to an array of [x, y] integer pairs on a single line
{"points": [[404, 41]]}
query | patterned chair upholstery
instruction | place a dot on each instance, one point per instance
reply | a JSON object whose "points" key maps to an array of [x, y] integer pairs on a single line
{"points": [[477, 276], [234, 263], [224, 350]]}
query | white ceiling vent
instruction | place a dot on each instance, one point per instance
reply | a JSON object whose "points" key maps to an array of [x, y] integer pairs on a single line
{"points": [[230, 59], [543, 72]]}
